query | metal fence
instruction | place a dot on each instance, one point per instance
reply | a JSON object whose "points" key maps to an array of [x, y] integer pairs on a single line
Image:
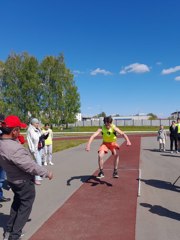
{"points": [[141, 122]]}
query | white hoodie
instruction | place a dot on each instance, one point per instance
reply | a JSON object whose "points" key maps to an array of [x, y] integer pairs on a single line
{"points": [[33, 135]]}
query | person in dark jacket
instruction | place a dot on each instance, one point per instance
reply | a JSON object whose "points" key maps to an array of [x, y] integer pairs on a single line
{"points": [[20, 169], [173, 129], [2, 173]]}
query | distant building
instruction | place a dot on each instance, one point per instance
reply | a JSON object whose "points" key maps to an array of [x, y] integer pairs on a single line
{"points": [[139, 116], [175, 115]]}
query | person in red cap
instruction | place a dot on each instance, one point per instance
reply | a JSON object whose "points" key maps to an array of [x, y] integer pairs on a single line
{"points": [[20, 168]]}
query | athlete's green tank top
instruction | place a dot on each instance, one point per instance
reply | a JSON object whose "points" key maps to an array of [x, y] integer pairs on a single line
{"points": [[109, 135]]}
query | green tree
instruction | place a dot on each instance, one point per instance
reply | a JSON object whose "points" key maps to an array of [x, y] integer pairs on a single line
{"points": [[21, 85], [60, 100], [46, 90], [2, 108], [152, 116]]}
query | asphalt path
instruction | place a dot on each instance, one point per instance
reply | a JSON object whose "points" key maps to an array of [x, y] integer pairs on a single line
{"points": [[158, 209]]}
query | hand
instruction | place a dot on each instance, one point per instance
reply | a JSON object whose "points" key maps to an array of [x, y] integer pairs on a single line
{"points": [[87, 148], [128, 143], [50, 175]]}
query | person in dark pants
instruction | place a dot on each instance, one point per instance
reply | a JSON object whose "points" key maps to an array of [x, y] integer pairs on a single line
{"points": [[20, 169], [173, 129], [2, 180], [2, 174]]}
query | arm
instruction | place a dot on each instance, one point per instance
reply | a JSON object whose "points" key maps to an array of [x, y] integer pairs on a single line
{"points": [[92, 138], [23, 160], [124, 135]]}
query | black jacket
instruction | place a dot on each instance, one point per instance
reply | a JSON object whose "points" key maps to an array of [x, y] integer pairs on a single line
{"points": [[173, 131]]}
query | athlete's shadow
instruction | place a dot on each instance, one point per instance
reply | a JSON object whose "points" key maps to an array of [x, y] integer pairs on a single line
{"points": [[161, 211], [93, 180], [161, 184], [169, 155]]}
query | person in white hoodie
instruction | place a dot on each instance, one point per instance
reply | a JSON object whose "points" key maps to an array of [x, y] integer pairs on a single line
{"points": [[34, 134]]}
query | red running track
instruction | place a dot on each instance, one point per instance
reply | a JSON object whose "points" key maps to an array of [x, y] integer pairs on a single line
{"points": [[100, 209]]}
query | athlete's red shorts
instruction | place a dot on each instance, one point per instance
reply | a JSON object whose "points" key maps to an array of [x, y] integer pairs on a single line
{"points": [[105, 146]]}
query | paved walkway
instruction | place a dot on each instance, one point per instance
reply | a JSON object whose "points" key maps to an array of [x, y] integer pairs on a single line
{"points": [[71, 197]]}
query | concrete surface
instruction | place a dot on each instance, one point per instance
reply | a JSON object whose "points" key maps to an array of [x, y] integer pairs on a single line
{"points": [[158, 209]]}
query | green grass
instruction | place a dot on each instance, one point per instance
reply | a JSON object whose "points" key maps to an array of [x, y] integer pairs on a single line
{"points": [[123, 128], [59, 145]]}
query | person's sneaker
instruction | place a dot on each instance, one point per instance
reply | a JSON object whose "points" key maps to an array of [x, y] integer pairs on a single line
{"points": [[100, 174], [37, 182], [171, 151], [45, 163], [6, 235], [51, 163], [115, 174], [177, 151]]}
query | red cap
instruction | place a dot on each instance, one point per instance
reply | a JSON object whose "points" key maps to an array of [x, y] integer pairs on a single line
{"points": [[13, 121]]}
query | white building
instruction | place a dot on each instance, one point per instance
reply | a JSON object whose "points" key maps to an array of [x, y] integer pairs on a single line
{"points": [[175, 115], [139, 116]]}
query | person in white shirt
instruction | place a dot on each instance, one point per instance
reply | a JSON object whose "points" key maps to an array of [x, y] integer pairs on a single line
{"points": [[34, 134], [48, 145]]}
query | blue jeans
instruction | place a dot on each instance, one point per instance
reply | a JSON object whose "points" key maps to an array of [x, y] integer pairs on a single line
{"points": [[2, 179], [38, 159]]}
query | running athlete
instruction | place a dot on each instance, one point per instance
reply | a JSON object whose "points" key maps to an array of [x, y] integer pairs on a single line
{"points": [[108, 132]]}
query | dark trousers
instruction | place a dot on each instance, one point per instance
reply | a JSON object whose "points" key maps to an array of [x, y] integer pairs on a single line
{"points": [[2, 179], [173, 140], [24, 195]]}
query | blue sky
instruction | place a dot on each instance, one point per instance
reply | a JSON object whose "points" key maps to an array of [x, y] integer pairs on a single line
{"points": [[125, 54]]}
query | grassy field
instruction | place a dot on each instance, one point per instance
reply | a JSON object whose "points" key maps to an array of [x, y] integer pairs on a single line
{"points": [[59, 145], [123, 128]]}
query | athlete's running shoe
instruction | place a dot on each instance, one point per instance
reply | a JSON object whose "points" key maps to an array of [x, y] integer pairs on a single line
{"points": [[115, 173], [100, 174]]}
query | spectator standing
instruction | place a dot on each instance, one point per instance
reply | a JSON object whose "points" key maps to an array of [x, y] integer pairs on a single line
{"points": [[162, 137], [173, 129], [178, 140], [34, 134], [48, 145], [2, 173], [20, 168]]}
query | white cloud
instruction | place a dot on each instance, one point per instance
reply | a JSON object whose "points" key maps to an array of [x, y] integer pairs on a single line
{"points": [[170, 70], [100, 71], [177, 78], [136, 68]]}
